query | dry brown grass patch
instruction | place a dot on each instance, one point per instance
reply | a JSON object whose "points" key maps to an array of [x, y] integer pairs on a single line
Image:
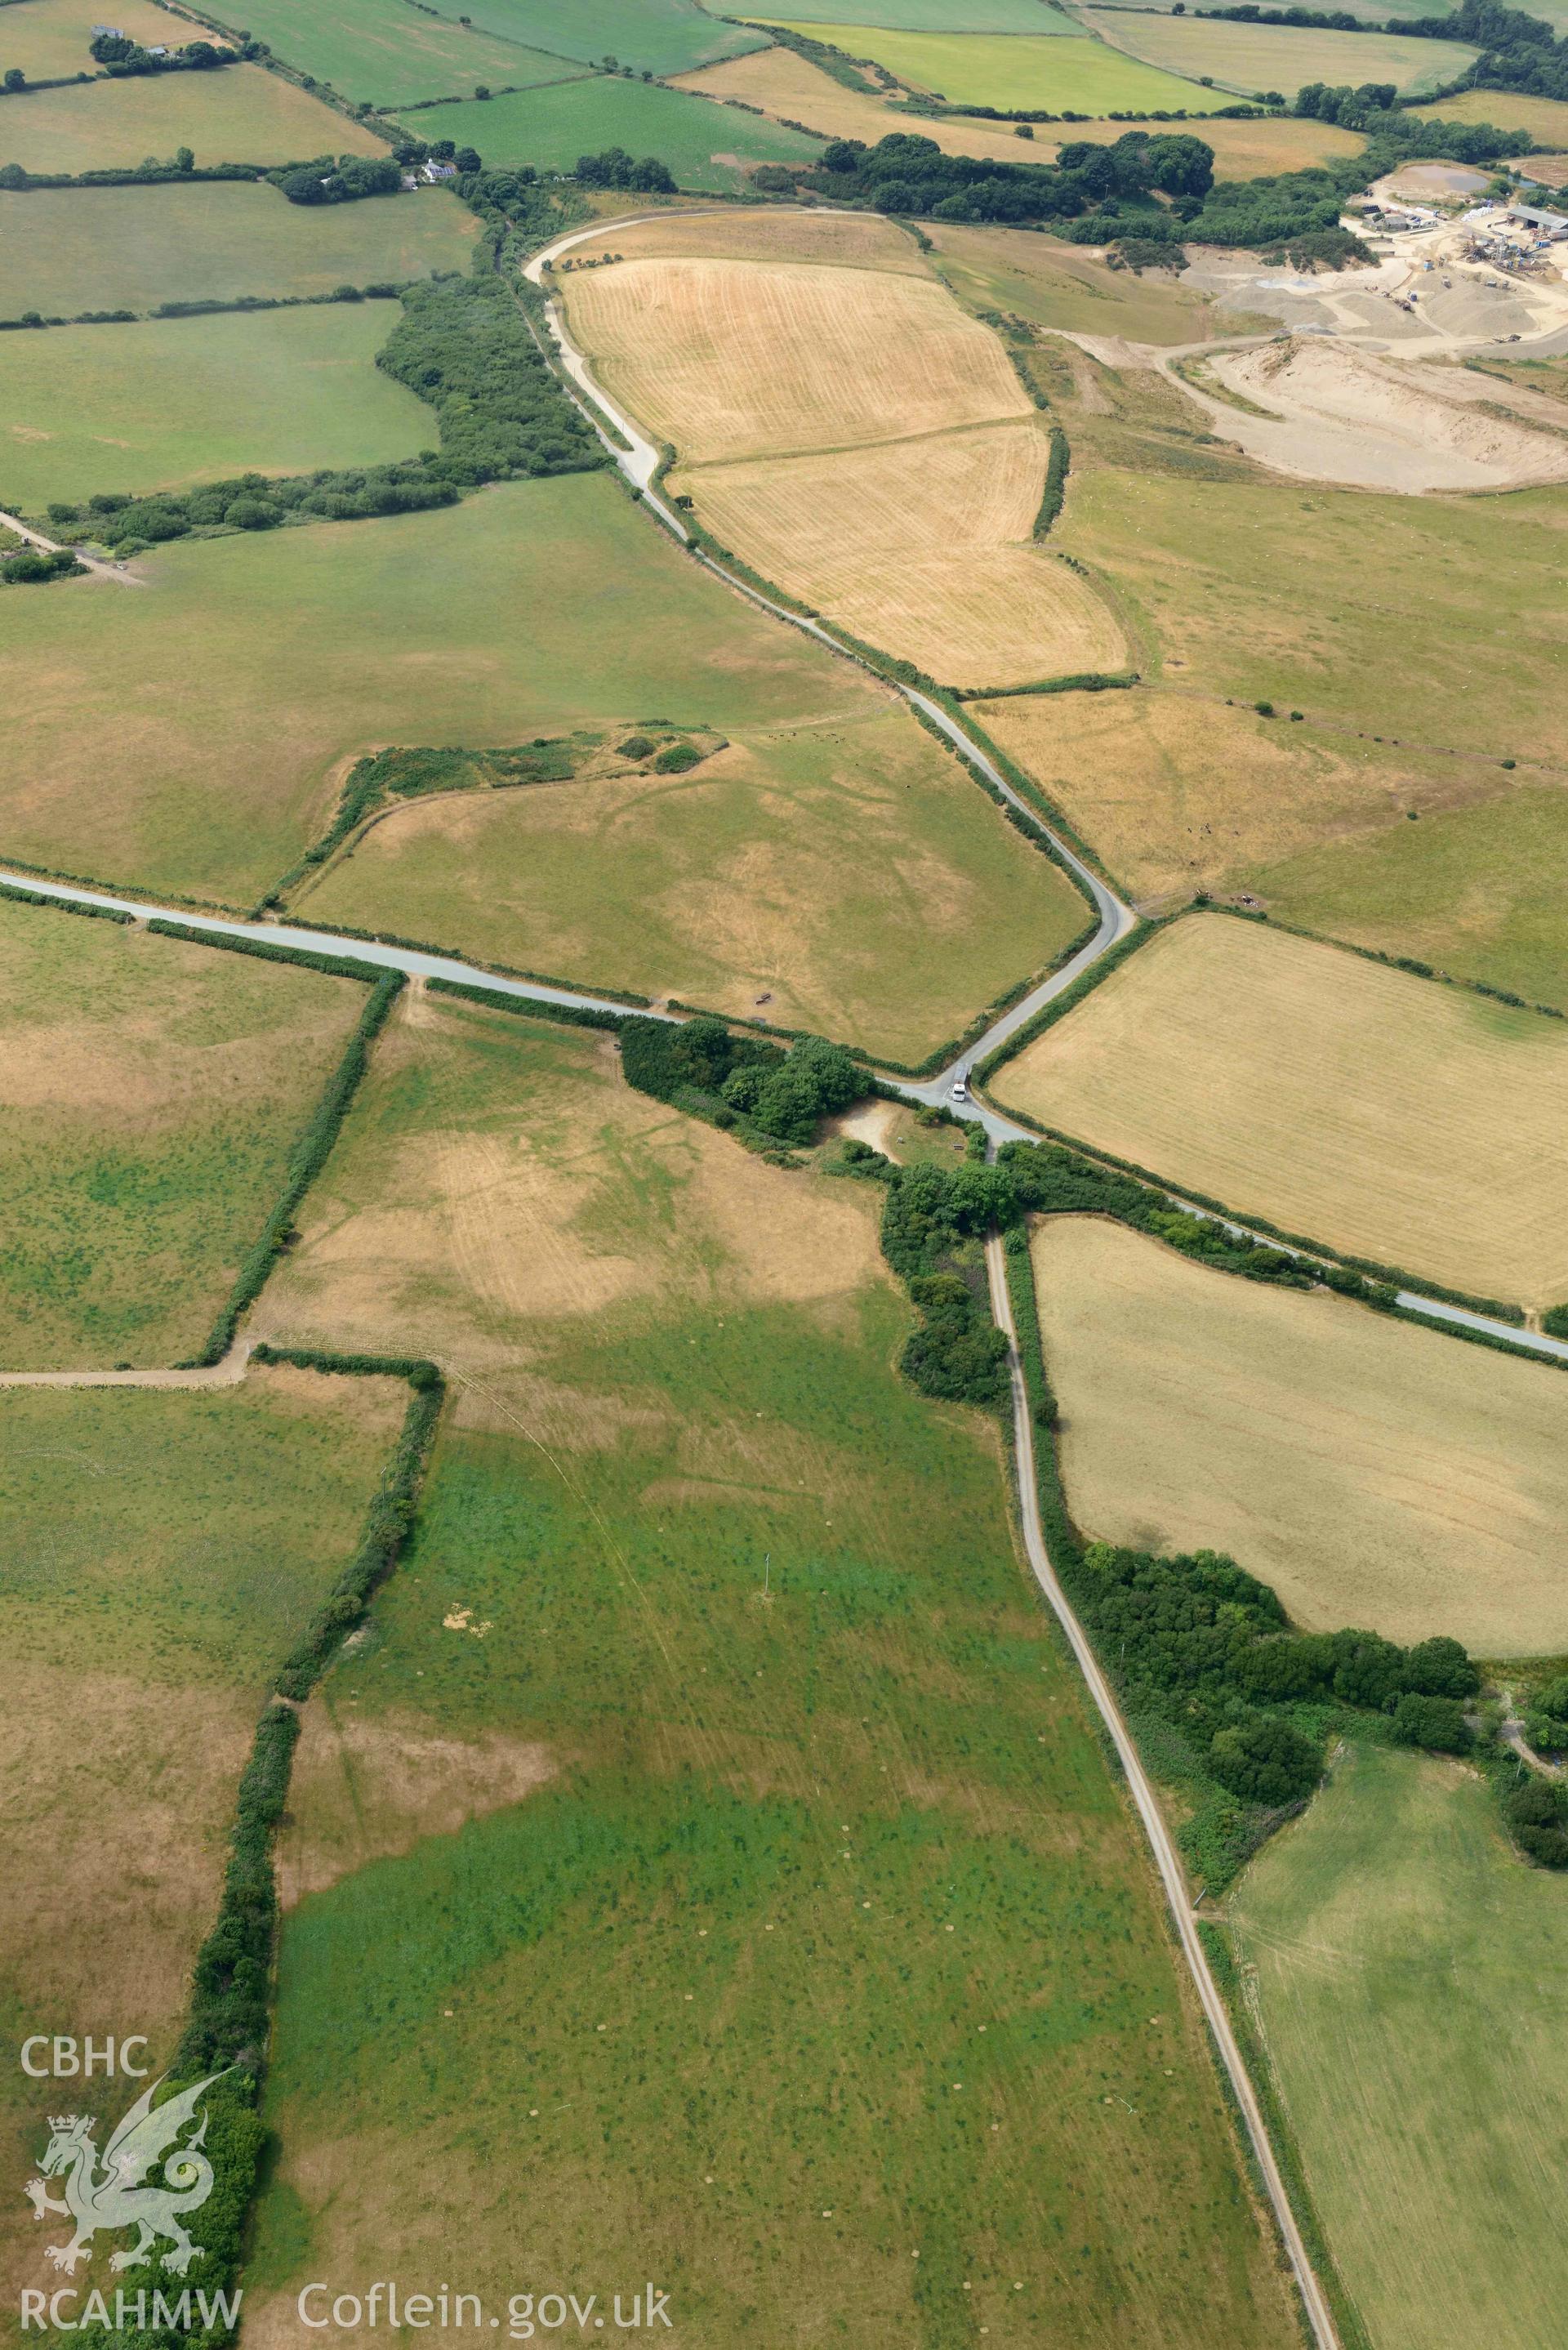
{"points": [[1384, 1115], [1370, 1473], [1178, 792], [369, 1788], [845, 240]]}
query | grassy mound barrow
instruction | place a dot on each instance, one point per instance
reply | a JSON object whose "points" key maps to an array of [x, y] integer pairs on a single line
{"points": [[1388, 1117], [675, 1370], [66, 250], [1367, 1471], [178, 401], [153, 1093], [1400, 1965], [843, 875], [162, 1550]]}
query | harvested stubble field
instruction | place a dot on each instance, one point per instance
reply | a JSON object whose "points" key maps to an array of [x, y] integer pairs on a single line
{"points": [[948, 578], [242, 114], [387, 53], [170, 401], [152, 1092], [1370, 1471], [1056, 75], [70, 249], [1379, 1113], [532, 608], [707, 146], [1405, 1969], [792, 89], [161, 1551], [673, 1363], [851, 390], [1252, 59], [49, 39], [847, 874]]}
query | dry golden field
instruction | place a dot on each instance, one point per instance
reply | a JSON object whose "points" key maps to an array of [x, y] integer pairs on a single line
{"points": [[1055, 285], [1179, 793], [1384, 1115], [795, 397], [732, 357], [948, 577], [847, 240], [792, 89], [1371, 1473]]}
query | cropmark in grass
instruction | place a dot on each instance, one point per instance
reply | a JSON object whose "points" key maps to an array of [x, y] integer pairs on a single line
{"points": [[162, 1550], [805, 1812], [659, 37], [174, 401], [152, 1093], [132, 248], [1404, 1968]]}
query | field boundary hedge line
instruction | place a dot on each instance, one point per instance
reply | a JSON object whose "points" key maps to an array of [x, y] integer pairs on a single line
{"points": [[308, 1157]]}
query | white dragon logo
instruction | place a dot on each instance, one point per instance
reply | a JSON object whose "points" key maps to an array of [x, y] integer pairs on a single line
{"points": [[116, 2199]]}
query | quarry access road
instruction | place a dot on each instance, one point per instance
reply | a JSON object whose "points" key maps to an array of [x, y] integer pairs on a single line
{"points": [[1167, 1860]]}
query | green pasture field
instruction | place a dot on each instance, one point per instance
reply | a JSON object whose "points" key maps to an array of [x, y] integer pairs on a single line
{"points": [[1545, 119], [933, 15], [1406, 1970], [1252, 58], [707, 146], [659, 37], [860, 1823], [65, 250], [387, 52], [532, 608], [161, 1551], [47, 39], [1069, 73], [1377, 11], [847, 874], [241, 114], [152, 1093], [176, 401]]}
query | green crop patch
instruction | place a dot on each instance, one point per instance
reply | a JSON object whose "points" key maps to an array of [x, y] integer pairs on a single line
{"points": [[659, 37], [806, 1761], [387, 52], [706, 146], [933, 15], [67, 250], [241, 114], [415, 635], [1403, 1969], [161, 1550], [1252, 59], [152, 1094], [174, 401], [1066, 73]]}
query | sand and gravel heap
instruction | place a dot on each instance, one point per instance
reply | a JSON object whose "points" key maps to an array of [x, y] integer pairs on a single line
{"points": [[1337, 414]]}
